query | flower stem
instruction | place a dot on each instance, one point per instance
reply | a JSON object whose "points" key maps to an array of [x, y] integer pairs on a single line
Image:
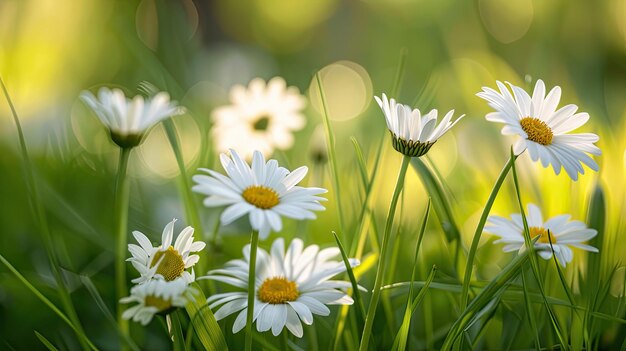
{"points": [[122, 191], [254, 243], [467, 277], [371, 312]]}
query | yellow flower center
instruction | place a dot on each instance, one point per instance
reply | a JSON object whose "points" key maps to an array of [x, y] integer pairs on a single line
{"points": [[278, 290], [261, 196], [537, 130], [157, 302], [172, 264], [543, 235]]}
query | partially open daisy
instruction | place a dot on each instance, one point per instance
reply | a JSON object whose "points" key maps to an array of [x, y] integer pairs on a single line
{"points": [[289, 287], [261, 117], [264, 192], [543, 129], [165, 261], [563, 233], [156, 296], [129, 119], [411, 133]]}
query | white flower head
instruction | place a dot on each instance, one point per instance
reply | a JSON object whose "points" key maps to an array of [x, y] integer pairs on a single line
{"points": [[563, 233], [262, 116], [156, 296], [289, 287], [165, 261], [543, 130], [129, 119], [412, 133], [264, 192]]}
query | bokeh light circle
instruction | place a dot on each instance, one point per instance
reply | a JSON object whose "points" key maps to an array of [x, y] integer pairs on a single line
{"points": [[347, 88], [506, 20]]}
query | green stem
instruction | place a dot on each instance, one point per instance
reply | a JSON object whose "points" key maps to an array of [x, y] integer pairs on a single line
{"points": [[254, 244], [122, 192], [44, 229], [479, 230], [371, 312]]}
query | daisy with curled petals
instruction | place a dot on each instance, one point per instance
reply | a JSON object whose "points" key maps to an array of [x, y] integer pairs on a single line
{"points": [[165, 261], [543, 129], [264, 192], [563, 234], [412, 133], [262, 116], [156, 296], [129, 119], [289, 287]]}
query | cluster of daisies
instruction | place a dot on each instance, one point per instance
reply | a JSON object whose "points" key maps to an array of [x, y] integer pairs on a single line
{"points": [[292, 282]]}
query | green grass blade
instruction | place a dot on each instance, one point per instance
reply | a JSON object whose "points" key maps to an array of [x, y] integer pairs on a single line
{"points": [[332, 154], [45, 300], [355, 285], [530, 312], [204, 323], [45, 342], [93, 291], [177, 332], [441, 204], [397, 81], [467, 277], [44, 228], [568, 290]]}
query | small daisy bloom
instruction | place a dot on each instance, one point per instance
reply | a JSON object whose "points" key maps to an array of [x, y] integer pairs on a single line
{"points": [[129, 119], [155, 296], [411, 133], [564, 234], [165, 261], [264, 192], [543, 130], [261, 117], [289, 287]]}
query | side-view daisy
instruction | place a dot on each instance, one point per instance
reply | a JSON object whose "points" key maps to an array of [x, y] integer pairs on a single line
{"points": [[412, 133], [262, 116], [543, 130], [563, 233], [264, 192], [165, 261], [290, 287], [155, 296], [129, 119]]}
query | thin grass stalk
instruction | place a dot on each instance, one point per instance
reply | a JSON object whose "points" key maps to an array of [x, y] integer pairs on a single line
{"points": [[47, 302], [529, 244], [332, 155], [371, 312], [42, 221], [254, 244], [467, 277], [122, 198]]}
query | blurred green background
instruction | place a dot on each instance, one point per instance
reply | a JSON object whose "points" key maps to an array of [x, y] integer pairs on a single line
{"points": [[50, 50]]}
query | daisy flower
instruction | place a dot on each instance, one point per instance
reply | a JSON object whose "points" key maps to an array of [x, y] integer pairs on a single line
{"points": [[264, 192], [289, 287], [129, 119], [411, 133], [155, 296], [165, 261], [543, 130], [261, 117], [564, 234]]}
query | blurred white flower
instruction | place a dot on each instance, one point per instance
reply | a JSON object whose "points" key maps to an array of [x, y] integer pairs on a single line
{"points": [[261, 117], [129, 119], [563, 234], [543, 129], [289, 287], [155, 296], [165, 261], [265, 192], [411, 133]]}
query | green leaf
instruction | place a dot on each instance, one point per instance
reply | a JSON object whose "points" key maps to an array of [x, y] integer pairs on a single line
{"points": [[177, 332], [204, 323]]}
